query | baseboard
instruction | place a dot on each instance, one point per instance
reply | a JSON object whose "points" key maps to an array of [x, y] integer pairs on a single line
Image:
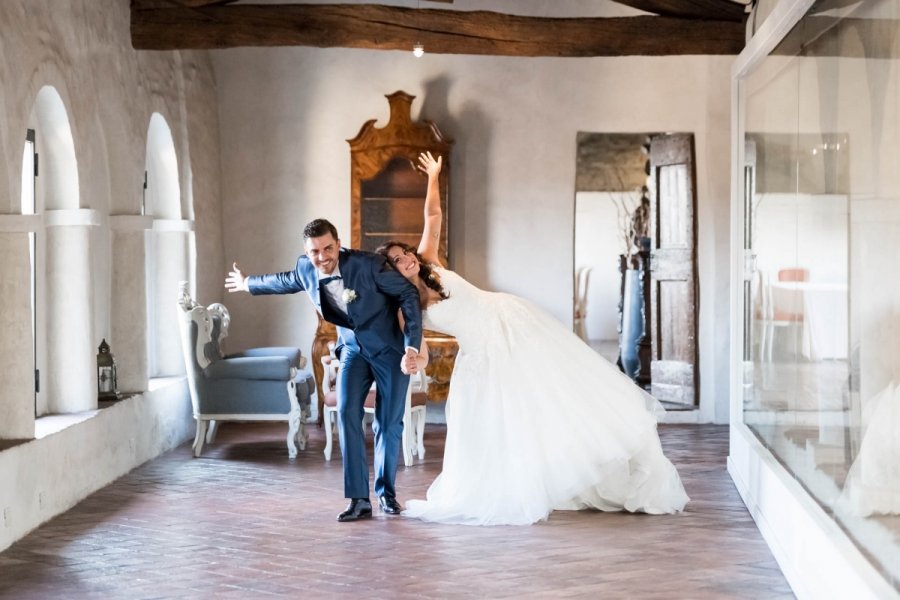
{"points": [[680, 417], [815, 555]]}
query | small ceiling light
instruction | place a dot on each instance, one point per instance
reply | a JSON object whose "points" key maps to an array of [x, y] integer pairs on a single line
{"points": [[418, 50]]}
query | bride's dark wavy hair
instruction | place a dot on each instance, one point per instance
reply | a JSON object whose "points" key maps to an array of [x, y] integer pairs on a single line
{"points": [[426, 272]]}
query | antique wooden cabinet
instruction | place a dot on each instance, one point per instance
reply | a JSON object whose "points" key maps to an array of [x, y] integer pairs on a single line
{"points": [[387, 190], [387, 202]]}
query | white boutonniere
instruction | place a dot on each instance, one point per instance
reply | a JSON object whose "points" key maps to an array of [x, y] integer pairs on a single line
{"points": [[349, 296]]}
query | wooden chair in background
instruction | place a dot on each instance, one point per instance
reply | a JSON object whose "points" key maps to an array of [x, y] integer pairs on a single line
{"points": [[413, 414], [582, 281]]}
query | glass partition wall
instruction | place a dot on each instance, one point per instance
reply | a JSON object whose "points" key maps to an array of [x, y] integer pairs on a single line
{"points": [[821, 288]]}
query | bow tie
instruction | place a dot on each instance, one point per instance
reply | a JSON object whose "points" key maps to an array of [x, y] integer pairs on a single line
{"points": [[327, 280]]}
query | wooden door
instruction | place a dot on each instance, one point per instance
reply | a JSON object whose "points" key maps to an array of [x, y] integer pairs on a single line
{"points": [[673, 292]]}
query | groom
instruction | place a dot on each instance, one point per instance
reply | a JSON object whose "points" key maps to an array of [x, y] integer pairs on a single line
{"points": [[360, 293]]}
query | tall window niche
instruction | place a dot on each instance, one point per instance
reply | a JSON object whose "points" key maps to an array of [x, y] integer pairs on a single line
{"points": [[168, 252], [60, 263], [17, 236]]}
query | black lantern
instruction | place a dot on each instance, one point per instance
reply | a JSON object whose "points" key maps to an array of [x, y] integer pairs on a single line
{"points": [[106, 373]]}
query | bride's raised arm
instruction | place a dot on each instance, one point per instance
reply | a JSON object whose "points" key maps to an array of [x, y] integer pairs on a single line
{"points": [[431, 234]]}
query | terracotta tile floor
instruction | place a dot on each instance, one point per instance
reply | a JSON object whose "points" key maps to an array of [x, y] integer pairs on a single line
{"points": [[246, 522]]}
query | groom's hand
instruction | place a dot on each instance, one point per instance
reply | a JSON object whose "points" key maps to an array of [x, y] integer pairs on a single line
{"points": [[236, 282], [409, 365]]}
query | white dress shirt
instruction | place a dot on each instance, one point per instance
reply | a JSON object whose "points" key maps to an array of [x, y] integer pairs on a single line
{"points": [[335, 289]]}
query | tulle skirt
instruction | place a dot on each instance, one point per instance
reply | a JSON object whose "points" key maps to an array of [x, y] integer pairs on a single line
{"points": [[538, 421]]}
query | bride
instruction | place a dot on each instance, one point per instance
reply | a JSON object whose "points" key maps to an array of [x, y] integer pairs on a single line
{"points": [[536, 420]]}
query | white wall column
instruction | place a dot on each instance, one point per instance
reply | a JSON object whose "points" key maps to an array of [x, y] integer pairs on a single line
{"points": [[16, 343], [71, 383], [171, 263], [128, 317]]}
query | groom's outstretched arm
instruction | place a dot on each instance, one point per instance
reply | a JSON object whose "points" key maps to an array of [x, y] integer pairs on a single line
{"points": [[286, 282], [275, 283]]}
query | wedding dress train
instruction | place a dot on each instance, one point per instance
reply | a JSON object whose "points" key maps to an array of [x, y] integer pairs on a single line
{"points": [[538, 421]]}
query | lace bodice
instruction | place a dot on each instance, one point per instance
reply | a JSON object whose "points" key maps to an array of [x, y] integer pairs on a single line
{"points": [[468, 313]]}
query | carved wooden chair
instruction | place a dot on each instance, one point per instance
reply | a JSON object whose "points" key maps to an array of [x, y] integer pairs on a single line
{"points": [[260, 384], [413, 414]]}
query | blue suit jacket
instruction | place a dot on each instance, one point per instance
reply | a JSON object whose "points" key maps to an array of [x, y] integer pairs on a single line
{"points": [[371, 323]]}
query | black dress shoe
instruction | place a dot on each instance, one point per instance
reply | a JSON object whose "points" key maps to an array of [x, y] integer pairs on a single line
{"points": [[359, 508], [389, 505]]}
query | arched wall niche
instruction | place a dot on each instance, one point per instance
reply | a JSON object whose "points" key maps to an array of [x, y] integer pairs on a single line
{"points": [[62, 307], [59, 181], [163, 193], [169, 254]]}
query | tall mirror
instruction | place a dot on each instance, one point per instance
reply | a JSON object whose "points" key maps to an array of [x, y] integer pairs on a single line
{"points": [[610, 175], [635, 270]]}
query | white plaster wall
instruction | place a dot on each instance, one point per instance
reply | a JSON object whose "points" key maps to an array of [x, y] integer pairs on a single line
{"points": [[47, 476], [201, 174], [286, 114], [170, 250], [71, 383], [109, 91], [131, 322], [15, 322]]}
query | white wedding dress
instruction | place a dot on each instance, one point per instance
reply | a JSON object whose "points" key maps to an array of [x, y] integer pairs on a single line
{"points": [[537, 421]]}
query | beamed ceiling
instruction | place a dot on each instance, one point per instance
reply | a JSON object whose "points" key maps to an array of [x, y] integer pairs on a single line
{"points": [[672, 27]]}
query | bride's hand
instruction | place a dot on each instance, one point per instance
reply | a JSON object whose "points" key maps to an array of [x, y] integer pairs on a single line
{"points": [[409, 364], [430, 166]]}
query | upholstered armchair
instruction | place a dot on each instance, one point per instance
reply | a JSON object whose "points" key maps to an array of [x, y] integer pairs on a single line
{"points": [[260, 384]]}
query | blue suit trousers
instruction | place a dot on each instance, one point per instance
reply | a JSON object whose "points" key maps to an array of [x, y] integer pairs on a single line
{"points": [[356, 376]]}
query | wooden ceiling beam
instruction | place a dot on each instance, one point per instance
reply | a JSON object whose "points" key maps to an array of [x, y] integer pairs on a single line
{"points": [[716, 10], [441, 31], [201, 3], [148, 4], [825, 5]]}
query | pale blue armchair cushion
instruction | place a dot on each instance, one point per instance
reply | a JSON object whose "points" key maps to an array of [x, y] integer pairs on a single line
{"points": [[245, 397], [255, 367], [304, 381], [292, 354]]}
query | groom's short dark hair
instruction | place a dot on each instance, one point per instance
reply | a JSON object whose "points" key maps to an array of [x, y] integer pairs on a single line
{"points": [[318, 228]]}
